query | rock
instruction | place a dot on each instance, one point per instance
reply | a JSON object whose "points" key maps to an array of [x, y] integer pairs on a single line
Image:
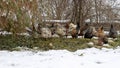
{"points": [[90, 43], [110, 41], [106, 45], [55, 35], [95, 37], [51, 46]]}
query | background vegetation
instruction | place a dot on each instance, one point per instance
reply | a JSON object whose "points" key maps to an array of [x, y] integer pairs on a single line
{"points": [[16, 15]]}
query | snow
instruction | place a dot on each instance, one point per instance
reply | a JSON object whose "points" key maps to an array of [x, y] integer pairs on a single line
{"points": [[86, 58], [9, 33], [63, 21], [5, 32]]}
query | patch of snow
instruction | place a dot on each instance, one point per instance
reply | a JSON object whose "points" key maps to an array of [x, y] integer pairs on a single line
{"points": [[5, 32], [25, 34], [90, 43], [95, 37], [86, 58], [57, 21], [69, 36], [106, 45]]}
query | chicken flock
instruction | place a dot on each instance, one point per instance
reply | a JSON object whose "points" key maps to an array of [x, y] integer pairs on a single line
{"points": [[69, 29]]}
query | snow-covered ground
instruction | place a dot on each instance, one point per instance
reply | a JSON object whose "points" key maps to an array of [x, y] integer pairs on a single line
{"points": [[86, 58]]}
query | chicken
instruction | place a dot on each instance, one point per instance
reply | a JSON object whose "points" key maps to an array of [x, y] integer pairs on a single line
{"points": [[74, 33], [89, 32], [67, 29], [52, 27], [31, 30], [78, 27], [60, 30], [100, 32], [112, 32], [82, 29], [72, 30], [102, 38], [46, 32], [39, 28]]}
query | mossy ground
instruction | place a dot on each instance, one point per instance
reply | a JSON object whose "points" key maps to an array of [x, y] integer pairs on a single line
{"points": [[10, 42]]}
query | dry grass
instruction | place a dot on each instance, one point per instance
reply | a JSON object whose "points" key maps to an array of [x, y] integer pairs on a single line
{"points": [[10, 43]]}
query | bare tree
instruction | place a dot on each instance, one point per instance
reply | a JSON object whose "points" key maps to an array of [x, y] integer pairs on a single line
{"points": [[82, 10], [105, 10], [56, 9], [19, 14]]}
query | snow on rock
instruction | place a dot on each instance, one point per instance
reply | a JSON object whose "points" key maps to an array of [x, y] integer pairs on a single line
{"points": [[90, 43], [86, 58]]}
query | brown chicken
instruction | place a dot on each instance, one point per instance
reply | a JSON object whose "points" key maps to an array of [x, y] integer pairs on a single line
{"points": [[102, 38], [82, 29], [67, 28], [74, 33]]}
